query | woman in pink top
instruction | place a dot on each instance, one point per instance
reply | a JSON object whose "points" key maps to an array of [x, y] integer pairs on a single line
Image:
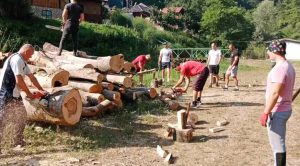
{"points": [[279, 92]]}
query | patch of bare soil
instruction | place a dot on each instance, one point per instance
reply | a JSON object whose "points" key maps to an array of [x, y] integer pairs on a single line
{"points": [[243, 142]]}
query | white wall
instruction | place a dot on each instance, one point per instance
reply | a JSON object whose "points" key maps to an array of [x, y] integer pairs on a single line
{"points": [[292, 50]]}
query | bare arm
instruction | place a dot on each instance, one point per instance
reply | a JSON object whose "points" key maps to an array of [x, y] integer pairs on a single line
{"points": [[64, 16], [141, 66], [21, 84], [35, 82], [208, 59], [179, 82], [236, 58], [220, 58], [81, 19], [159, 58], [271, 101]]}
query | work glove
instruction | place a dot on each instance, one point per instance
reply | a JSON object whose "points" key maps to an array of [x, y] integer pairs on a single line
{"points": [[264, 119]]}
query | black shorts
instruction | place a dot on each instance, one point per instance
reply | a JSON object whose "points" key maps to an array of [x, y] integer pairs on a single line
{"points": [[201, 79], [213, 69], [165, 65]]}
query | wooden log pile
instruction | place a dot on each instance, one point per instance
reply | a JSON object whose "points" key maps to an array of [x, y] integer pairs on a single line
{"points": [[80, 86]]}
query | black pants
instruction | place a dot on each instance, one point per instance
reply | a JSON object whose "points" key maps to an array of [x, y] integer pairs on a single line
{"points": [[69, 30]]}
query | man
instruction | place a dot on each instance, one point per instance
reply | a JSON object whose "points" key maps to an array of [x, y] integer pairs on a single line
{"points": [[233, 68], [11, 81], [139, 64], [187, 70], [72, 16], [279, 94], [164, 61], [213, 61]]}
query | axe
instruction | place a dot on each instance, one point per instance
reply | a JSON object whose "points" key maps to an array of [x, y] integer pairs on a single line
{"points": [[54, 27]]}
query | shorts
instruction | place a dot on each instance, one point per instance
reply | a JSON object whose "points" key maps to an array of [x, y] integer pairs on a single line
{"points": [[165, 65], [137, 69], [213, 69], [233, 71], [200, 80]]}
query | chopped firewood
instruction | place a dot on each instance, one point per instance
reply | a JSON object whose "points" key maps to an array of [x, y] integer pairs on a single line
{"points": [[216, 129]]}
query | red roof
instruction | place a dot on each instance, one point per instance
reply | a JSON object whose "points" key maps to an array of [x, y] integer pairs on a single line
{"points": [[174, 9]]}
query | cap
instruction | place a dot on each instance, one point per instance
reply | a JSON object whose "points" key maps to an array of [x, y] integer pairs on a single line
{"points": [[277, 46]]}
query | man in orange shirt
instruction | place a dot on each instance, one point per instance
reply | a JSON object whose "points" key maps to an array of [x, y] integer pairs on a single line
{"points": [[187, 70], [139, 64]]}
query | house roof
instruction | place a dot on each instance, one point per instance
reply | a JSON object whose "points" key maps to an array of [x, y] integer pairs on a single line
{"points": [[174, 9], [140, 8]]}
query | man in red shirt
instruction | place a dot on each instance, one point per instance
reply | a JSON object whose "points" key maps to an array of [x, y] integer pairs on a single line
{"points": [[139, 64], [187, 70]]}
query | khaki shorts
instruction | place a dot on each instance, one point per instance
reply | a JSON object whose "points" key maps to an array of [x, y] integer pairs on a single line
{"points": [[233, 71]]}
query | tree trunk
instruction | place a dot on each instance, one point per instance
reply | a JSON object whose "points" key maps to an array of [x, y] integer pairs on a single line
{"points": [[64, 107], [86, 86], [90, 99], [150, 92], [96, 110], [129, 96], [129, 67], [39, 58], [184, 135], [119, 79], [86, 74], [111, 95], [120, 88], [104, 64], [107, 85], [56, 79], [68, 66]]}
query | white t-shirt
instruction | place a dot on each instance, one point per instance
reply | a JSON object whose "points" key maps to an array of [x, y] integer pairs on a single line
{"points": [[18, 67], [166, 54], [214, 57]]}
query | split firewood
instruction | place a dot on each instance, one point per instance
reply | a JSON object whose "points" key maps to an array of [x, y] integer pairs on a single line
{"points": [[216, 129], [181, 119], [111, 95], [90, 99], [192, 119], [168, 158], [96, 110], [86, 86], [222, 122], [161, 152], [64, 107], [119, 79]]}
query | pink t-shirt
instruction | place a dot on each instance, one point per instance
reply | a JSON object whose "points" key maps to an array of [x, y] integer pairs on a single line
{"points": [[284, 73], [140, 59], [191, 68]]}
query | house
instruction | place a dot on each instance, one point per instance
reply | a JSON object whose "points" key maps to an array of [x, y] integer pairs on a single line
{"points": [[292, 49], [178, 11], [52, 9], [140, 10]]}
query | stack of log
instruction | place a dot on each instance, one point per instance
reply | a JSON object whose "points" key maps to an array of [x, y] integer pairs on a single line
{"points": [[81, 86]]}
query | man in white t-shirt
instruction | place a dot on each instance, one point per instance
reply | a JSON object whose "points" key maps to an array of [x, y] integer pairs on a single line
{"points": [[164, 61], [214, 59], [12, 111]]}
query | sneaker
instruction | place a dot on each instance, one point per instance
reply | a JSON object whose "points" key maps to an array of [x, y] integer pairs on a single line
{"points": [[225, 88], [199, 103], [194, 105], [217, 85], [236, 89]]}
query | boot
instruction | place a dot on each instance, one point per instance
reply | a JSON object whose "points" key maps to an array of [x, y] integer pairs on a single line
{"points": [[280, 159]]}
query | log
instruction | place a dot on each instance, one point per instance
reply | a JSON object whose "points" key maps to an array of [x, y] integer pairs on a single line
{"points": [[107, 85], [150, 92], [96, 110], [129, 67], [184, 135], [56, 79], [119, 79], [52, 51], [39, 58], [120, 88], [68, 66], [64, 108], [90, 99], [86, 74], [111, 95], [172, 105], [86, 86], [129, 96]]}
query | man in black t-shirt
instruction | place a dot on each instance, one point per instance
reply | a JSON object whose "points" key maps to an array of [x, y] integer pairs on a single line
{"points": [[233, 68], [72, 16]]}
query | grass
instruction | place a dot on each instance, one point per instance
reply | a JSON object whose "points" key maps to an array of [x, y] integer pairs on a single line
{"points": [[113, 130]]}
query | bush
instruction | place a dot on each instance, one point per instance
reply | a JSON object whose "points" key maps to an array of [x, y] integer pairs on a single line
{"points": [[255, 51], [14, 8], [121, 19]]}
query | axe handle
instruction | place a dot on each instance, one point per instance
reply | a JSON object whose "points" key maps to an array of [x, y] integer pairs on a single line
{"points": [[296, 94]]}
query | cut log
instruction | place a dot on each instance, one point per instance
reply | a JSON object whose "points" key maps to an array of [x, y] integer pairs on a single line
{"points": [[173, 105], [111, 95], [96, 110], [181, 119], [52, 51], [129, 96], [119, 88], [64, 108], [90, 99], [39, 58], [129, 67], [168, 158], [107, 85], [86, 74], [75, 66], [216, 129], [118, 79], [104, 64], [118, 103], [57, 79], [150, 92], [184, 135], [222, 122], [86, 86]]}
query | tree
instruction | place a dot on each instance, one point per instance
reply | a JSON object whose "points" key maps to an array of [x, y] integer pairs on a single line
{"points": [[249, 4], [265, 18], [224, 22], [14, 8], [119, 18]]}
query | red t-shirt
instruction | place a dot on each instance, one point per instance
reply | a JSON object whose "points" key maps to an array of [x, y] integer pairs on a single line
{"points": [[140, 59], [191, 68]]}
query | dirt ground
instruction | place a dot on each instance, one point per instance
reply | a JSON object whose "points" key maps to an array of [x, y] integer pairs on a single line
{"points": [[243, 142]]}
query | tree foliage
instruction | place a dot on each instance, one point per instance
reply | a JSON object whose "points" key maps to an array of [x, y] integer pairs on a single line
{"points": [[15, 8]]}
